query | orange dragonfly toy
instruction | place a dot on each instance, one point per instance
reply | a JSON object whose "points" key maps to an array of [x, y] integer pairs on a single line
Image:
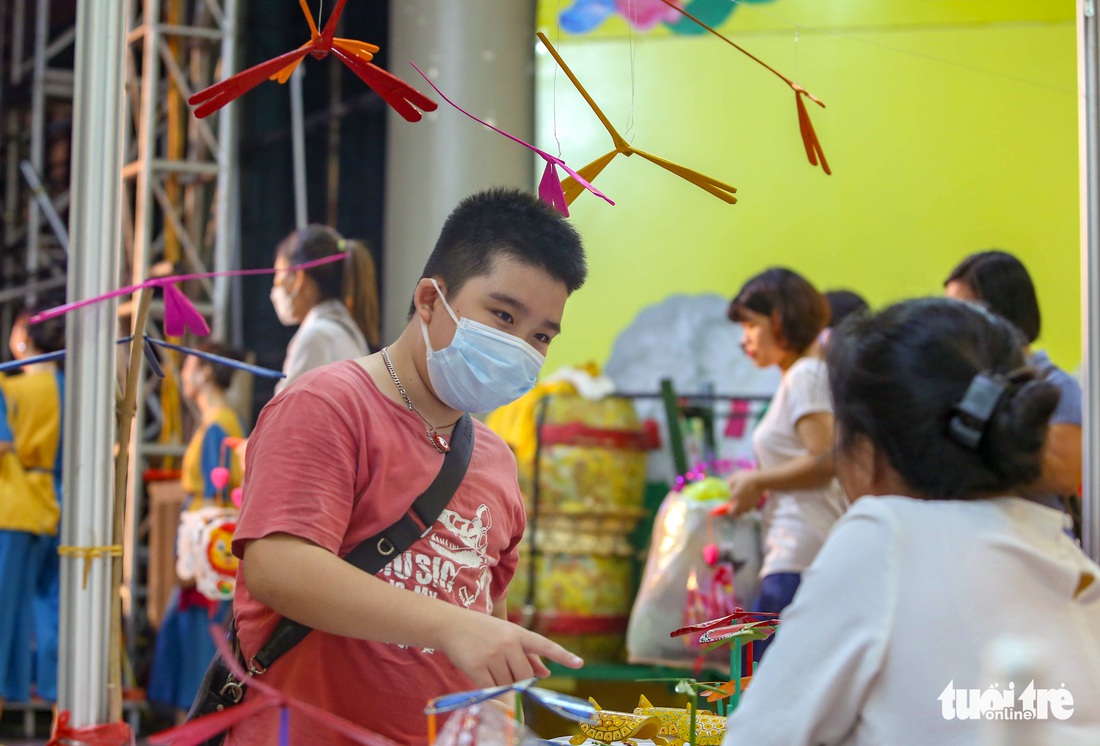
{"points": [[814, 153], [573, 189], [357, 55]]}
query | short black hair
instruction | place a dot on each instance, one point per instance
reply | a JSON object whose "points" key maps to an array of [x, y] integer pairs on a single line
{"points": [[842, 304], [223, 374], [897, 376], [1002, 282], [803, 312], [511, 222]]}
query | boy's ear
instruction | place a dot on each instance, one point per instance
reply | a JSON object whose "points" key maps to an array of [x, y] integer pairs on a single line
{"points": [[425, 298]]}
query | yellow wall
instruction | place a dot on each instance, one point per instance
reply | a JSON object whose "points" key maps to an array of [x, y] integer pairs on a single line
{"points": [[951, 127]]}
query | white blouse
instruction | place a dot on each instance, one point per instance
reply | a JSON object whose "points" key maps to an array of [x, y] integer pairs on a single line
{"points": [[898, 620], [328, 334]]}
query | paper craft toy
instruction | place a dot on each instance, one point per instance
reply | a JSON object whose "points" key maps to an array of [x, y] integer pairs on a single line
{"points": [[570, 708], [357, 55], [620, 726], [563, 705], [550, 190], [738, 630], [814, 152], [572, 188], [676, 724], [180, 313]]}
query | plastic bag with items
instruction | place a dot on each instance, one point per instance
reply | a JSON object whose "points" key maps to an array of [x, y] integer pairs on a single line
{"points": [[699, 568]]}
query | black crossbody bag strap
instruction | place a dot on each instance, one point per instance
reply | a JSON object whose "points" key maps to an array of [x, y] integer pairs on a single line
{"points": [[374, 553]]}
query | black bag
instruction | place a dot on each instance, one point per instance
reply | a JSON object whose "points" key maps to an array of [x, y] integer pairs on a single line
{"points": [[220, 690]]}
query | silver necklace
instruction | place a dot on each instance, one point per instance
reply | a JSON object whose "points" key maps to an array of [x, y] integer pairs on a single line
{"points": [[438, 441]]}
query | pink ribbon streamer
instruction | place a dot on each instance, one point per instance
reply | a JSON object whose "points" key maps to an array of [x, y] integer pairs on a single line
{"points": [[179, 312], [267, 697], [550, 190]]}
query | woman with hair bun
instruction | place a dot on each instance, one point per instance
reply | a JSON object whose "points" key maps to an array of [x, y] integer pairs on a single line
{"points": [[781, 315], [1000, 282], [899, 632], [335, 304]]}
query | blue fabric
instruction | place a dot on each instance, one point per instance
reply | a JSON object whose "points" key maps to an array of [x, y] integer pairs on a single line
{"points": [[60, 435], [21, 556], [6, 435], [46, 610], [183, 650], [776, 593], [211, 457], [1068, 411]]}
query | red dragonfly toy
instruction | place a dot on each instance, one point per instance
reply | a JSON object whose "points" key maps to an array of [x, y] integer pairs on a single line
{"points": [[739, 618], [357, 55]]}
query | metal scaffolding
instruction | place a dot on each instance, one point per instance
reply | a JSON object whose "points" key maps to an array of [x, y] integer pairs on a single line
{"points": [[178, 192], [180, 204], [36, 99]]}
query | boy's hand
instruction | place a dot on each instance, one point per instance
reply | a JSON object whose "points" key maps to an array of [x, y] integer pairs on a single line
{"points": [[494, 652]]}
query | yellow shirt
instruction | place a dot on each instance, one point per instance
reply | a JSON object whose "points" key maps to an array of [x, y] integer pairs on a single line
{"points": [[28, 499], [205, 452]]}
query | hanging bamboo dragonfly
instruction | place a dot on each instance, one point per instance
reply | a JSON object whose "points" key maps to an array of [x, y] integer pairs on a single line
{"points": [[572, 188], [357, 55], [814, 152], [550, 189]]}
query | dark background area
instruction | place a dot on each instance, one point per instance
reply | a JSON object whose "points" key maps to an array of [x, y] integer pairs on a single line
{"points": [[343, 118]]}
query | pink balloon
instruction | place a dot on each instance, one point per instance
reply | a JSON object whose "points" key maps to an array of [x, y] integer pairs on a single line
{"points": [[219, 475], [236, 496], [710, 554]]}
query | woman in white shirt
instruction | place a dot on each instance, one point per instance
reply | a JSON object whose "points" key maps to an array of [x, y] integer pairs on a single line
{"points": [[335, 304], [946, 606], [781, 315]]}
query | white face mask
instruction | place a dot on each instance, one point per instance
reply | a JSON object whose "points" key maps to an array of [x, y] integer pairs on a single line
{"points": [[482, 368], [284, 305]]}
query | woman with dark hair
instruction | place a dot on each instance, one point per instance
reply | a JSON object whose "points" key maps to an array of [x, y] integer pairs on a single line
{"points": [[781, 315], [30, 511], [184, 646], [943, 577], [335, 304], [1002, 284]]}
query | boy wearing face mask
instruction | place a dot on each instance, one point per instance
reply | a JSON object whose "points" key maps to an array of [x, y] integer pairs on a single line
{"points": [[342, 454]]}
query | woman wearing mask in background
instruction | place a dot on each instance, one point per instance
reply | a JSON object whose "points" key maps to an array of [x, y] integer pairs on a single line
{"points": [[781, 315], [334, 304], [1001, 283]]}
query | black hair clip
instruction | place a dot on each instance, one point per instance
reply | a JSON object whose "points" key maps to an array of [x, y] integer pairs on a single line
{"points": [[973, 413]]}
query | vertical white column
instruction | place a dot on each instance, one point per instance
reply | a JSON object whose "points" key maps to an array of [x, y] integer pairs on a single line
{"points": [[481, 54], [227, 240], [90, 366], [1088, 55]]}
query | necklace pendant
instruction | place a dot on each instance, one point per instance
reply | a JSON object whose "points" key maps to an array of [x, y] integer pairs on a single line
{"points": [[439, 442]]}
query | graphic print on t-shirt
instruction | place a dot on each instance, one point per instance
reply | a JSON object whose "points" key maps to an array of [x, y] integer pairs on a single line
{"points": [[456, 544]]}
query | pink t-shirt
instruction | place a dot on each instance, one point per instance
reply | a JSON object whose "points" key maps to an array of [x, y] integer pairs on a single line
{"points": [[334, 461]]}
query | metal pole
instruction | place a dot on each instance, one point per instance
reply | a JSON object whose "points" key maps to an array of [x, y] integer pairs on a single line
{"points": [[486, 62], [298, 143], [226, 241], [1088, 57], [42, 197], [90, 366]]}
